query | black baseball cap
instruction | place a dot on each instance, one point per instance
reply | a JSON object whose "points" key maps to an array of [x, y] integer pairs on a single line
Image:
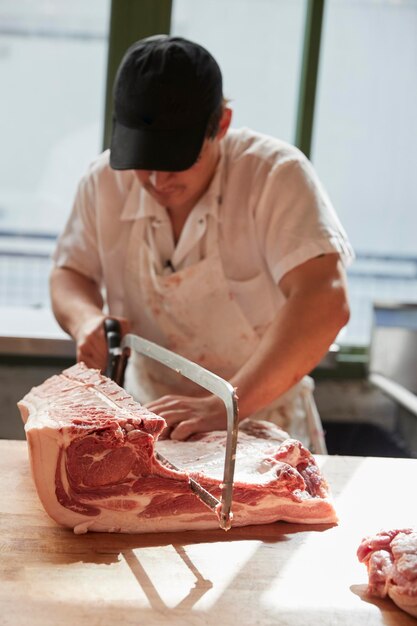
{"points": [[165, 91]]}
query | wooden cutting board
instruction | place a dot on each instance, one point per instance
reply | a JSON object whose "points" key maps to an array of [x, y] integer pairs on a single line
{"points": [[278, 574]]}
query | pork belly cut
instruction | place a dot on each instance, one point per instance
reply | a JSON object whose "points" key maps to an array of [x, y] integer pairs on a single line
{"points": [[391, 559], [93, 456]]}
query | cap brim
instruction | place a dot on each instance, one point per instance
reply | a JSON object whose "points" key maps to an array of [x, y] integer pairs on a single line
{"points": [[161, 150]]}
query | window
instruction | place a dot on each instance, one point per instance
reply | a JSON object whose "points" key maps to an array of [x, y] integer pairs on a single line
{"points": [[258, 45], [364, 146], [53, 63]]}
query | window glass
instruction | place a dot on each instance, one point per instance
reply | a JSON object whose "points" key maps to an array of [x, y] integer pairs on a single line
{"points": [[258, 45], [364, 145], [53, 59]]}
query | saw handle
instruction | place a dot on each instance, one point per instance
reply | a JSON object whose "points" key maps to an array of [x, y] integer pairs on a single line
{"points": [[116, 357], [113, 334]]}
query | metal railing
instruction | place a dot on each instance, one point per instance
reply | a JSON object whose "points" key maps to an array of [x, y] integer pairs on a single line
{"points": [[375, 277], [25, 263]]}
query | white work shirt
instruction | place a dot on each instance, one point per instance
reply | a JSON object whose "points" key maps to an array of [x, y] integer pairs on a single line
{"points": [[271, 211]]}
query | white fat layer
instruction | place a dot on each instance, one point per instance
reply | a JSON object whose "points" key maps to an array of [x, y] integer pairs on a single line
{"points": [[253, 464], [268, 510], [40, 421]]}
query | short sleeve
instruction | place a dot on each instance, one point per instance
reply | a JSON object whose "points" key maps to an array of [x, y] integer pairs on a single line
{"points": [[77, 246], [296, 220]]}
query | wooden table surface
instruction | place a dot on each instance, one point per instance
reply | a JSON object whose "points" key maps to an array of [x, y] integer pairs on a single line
{"points": [[260, 575]]}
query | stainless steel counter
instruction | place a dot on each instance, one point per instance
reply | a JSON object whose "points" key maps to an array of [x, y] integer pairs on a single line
{"points": [[34, 333], [32, 348]]}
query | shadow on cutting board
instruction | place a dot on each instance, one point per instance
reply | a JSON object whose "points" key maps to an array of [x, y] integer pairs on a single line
{"points": [[106, 547], [389, 610]]}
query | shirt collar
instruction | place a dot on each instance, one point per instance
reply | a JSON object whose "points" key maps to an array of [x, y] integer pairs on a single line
{"points": [[139, 204]]}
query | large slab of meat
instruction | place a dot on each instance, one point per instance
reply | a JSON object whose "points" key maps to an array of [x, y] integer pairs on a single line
{"points": [[391, 559], [92, 452]]}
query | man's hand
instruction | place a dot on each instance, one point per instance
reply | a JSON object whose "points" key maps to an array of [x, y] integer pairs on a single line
{"points": [[186, 415], [92, 343], [78, 307]]}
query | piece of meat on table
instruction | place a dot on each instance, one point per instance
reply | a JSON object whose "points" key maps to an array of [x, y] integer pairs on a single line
{"points": [[92, 453], [391, 559]]}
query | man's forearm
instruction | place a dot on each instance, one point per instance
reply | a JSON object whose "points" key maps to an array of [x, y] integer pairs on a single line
{"points": [[74, 299], [294, 343], [287, 352]]}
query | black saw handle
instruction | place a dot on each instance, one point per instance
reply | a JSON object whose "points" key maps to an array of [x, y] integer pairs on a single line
{"points": [[116, 357]]}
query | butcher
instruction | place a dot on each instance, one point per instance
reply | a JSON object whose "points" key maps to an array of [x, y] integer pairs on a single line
{"points": [[218, 243]]}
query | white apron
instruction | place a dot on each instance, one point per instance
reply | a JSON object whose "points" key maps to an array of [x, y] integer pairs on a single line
{"points": [[193, 313]]}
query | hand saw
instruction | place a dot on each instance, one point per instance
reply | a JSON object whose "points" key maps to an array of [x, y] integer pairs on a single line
{"points": [[118, 349]]}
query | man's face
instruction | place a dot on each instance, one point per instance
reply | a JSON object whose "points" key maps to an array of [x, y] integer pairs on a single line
{"points": [[182, 190]]}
